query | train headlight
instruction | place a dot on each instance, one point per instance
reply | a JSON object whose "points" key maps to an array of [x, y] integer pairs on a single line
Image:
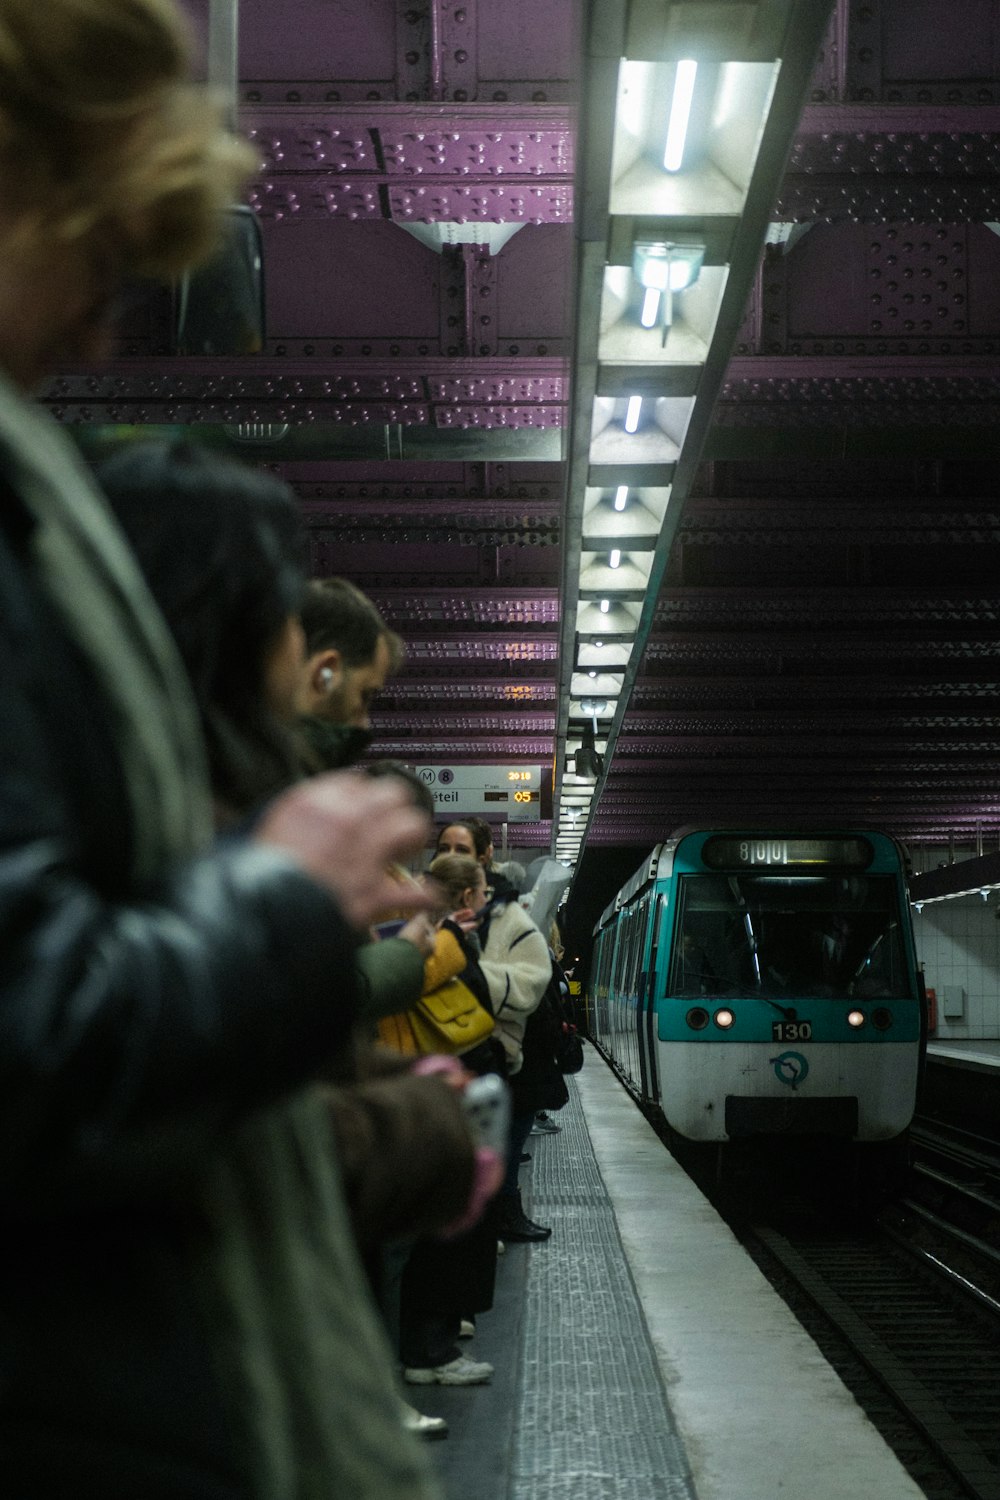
{"points": [[881, 1018], [697, 1018], [724, 1018], [855, 1018]]}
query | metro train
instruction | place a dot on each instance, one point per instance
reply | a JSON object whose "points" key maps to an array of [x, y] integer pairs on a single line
{"points": [[765, 985]]}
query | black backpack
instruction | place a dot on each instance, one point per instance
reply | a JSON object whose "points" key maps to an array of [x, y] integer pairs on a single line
{"points": [[567, 1048]]}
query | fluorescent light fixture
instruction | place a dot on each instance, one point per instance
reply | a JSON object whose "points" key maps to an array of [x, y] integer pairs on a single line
{"points": [[621, 496], [650, 307], [615, 559], [666, 266], [605, 606], [680, 114], [632, 413]]}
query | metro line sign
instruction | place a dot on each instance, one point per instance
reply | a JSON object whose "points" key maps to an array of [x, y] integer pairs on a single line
{"points": [[512, 794]]}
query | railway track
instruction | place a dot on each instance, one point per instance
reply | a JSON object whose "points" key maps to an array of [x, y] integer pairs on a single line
{"points": [[925, 1366], [907, 1306], [904, 1304]]}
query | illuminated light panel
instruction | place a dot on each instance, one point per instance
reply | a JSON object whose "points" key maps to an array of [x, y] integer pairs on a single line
{"points": [[683, 151], [665, 265], [680, 114], [615, 559]]}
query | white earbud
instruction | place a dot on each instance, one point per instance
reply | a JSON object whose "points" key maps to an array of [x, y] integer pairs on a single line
{"points": [[326, 677]]}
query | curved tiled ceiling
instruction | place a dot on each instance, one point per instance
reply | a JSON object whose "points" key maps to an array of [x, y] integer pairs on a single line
{"points": [[824, 638]]}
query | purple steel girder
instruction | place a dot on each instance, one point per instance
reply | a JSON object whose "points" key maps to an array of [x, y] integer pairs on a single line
{"points": [[414, 164], [819, 609], [462, 653], [498, 609], [415, 743], [833, 692], [676, 656], [407, 690], [394, 49], [501, 392]]}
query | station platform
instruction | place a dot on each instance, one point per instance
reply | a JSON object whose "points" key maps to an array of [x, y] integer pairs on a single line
{"points": [[639, 1353], [961, 1085], [965, 1050]]}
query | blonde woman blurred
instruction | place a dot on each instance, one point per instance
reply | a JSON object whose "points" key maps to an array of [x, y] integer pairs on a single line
{"points": [[183, 1312]]}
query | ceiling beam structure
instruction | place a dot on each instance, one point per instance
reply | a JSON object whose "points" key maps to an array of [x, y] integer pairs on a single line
{"points": [[459, 206]]}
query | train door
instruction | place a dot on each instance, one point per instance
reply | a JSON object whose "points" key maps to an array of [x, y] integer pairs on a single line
{"points": [[654, 907], [599, 984], [617, 999], [630, 995]]}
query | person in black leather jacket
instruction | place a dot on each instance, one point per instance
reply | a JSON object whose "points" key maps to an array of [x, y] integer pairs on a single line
{"points": [[167, 1204]]}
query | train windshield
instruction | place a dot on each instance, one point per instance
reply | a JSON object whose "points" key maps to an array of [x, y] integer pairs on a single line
{"points": [[832, 935]]}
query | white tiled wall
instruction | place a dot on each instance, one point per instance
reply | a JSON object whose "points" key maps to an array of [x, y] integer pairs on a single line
{"points": [[958, 942]]}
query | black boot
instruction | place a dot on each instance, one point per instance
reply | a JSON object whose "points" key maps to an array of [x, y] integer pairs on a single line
{"points": [[514, 1224]]}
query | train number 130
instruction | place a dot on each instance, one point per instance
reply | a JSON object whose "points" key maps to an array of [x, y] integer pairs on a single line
{"points": [[791, 1031]]}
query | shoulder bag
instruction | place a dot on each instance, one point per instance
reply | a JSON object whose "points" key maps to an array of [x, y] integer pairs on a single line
{"points": [[449, 1019]]}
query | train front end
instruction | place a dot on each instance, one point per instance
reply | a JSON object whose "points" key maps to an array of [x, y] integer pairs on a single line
{"points": [[784, 988]]}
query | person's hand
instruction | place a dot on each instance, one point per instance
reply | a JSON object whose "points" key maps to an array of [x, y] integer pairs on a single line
{"points": [[448, 1069], [345, 829], [465, 918], [421, 932]]}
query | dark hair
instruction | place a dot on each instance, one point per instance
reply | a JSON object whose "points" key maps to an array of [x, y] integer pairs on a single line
{"points": [[482, 833], [222, 550], [422, 795], [337, 616]]}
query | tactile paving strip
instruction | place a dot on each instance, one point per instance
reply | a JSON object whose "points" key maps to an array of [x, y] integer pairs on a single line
{"points": [[593, 1423]]}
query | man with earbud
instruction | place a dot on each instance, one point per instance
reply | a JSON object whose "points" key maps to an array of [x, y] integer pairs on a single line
{"points": [[350, 653]]}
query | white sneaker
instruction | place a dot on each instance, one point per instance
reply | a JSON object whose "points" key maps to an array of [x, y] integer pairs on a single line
{"points": [[466, 1328], [460, 1371], [423, 1426]]}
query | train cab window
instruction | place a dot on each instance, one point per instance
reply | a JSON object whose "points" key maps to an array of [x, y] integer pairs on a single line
{"points": [[832, 936]]}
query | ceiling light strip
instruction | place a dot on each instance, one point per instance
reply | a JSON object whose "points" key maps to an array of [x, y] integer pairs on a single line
{"points": [[796, 30]]}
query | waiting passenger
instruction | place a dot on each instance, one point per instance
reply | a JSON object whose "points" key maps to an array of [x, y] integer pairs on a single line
{"points": [[515, 960], [447, 1282], [350, 653], [163, 1004], [222, 548]]}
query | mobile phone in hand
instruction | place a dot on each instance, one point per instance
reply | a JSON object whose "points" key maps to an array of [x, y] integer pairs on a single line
{"points": [[487, 1105], [389, 929]]}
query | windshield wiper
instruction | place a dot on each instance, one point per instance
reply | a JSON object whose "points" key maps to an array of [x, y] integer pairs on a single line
{"points": [[788, 1011]]}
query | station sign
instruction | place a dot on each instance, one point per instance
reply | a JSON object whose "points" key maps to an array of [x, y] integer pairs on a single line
{"points": [[512, 794]]}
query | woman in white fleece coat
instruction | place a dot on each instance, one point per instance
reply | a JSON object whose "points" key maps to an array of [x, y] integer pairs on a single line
{"points": [[515, 963]]}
